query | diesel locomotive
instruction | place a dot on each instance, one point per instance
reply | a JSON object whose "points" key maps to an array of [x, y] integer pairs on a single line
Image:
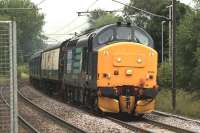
{"points": [[111, 69]]}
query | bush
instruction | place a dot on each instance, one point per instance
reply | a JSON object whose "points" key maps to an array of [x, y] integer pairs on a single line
{"points": [[187, 102], [23, 68], [164, 75], [23, 71]]}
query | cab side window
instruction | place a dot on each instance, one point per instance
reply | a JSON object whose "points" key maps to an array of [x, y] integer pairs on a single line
{"points": [[140, 37], [106, 36]]}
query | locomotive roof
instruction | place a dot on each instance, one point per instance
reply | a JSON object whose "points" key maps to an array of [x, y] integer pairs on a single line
{"points": [[51, 47], [99, 31], [37, 54], [89, 33]]}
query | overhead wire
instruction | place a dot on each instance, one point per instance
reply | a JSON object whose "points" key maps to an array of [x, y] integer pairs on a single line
{"points": [[71, 22], [90, 6], [144, 11], [41, 2], [66, 25], [77, 27]]}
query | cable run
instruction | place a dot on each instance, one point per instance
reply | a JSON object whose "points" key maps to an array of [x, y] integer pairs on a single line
{"points": [[90, 6], [141, 10], [77, 27], [41, 2], [66, 25], [71, 22]]}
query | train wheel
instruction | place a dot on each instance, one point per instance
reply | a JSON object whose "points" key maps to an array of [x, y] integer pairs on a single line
{"points": [[81, 98], [138, 116], [65, 93], [86, 96], [73, 95], [68, 94], [96, 108]]}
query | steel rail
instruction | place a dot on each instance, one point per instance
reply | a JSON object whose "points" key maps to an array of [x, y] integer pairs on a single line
{"points": [[129, 126], [52, 116], [135, 128], [34, 130], [166, 126], [175, 116]]}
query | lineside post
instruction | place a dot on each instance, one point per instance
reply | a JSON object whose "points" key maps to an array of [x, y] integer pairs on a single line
{"points": [[174, 54]]}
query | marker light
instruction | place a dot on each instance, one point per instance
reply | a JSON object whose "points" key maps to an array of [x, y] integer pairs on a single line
{"points": [[119, 60], [139, 60]]}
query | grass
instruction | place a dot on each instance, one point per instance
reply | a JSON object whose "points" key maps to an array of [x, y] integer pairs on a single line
{"points": [[4, 81], [188, 103], [22, 74], [23, 71]]}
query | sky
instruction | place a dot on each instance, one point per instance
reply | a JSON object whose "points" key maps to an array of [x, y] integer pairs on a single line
{"points": [[61, 15]]}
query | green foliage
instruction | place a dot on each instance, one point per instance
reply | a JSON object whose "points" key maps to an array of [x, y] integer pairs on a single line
{"points": [[29, 25], [164, 75], [23, 71], [197, 4], [106, 19], [23, 68], [100, 18], [153, 24], [188, 53], [187, 102], [95, 15], [196, 72]]}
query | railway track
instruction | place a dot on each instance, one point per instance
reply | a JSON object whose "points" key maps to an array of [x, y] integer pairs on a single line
{"points": [[51, 116], [27, 125], [131, 127], [168, 127], [148, 126], [175, 116], [23, 122], [145, 125]]}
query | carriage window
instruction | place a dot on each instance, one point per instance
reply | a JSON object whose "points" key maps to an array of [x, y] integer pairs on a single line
{"points": [[69, 61], [123, 33], [140, 37], [106, 36], [77, 60]]}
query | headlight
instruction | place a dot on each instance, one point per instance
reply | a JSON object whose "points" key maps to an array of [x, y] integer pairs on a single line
{"points": [[129, 72]]}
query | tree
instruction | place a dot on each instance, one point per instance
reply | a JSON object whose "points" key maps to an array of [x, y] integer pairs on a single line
{"points": [[106, 19], [164, 75], [29, 25], [100, 18], [188, 50], [150, 23]]}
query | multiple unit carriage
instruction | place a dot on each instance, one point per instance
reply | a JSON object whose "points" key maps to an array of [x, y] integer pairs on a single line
{"points": [[113, 69]]}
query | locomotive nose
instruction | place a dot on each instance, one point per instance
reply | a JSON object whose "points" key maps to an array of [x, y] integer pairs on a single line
{"points": [[127, 70], [126, 64]]}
